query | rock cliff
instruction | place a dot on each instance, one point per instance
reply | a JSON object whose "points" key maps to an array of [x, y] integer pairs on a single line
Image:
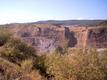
{"points": [[48, 37], [97, 37], [44, 37]]}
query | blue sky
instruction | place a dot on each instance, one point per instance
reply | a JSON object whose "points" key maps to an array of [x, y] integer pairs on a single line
{"points": [[12, 11]]}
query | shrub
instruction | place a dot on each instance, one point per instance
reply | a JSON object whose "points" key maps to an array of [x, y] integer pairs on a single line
{"points": [[4, 36], [16, 50], [20, 45], [40, 64], [12, 71], [26, 66], [9, 70], [87, 66], [28, 71], [75, 65], [57, 67]]}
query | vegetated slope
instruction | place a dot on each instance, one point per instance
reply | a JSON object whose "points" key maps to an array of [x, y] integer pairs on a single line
{"points": [[70, 22], [104, 23]]}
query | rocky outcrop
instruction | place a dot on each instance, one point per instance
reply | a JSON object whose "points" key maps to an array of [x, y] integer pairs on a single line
{"points": [[97, 38], [91, 37], [47, 37], [44, 37]]}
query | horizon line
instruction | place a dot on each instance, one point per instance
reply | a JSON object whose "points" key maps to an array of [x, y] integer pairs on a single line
{"points": [[51, 20]]}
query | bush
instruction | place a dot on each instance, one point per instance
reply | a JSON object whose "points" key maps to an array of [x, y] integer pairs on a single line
{"points": [[14, 72], [4, 37], [57, 67], [26, 66], [16, 50], [75, 65], [87, 66], [28, 71], [9, 70], [20, 45], [40, 64]]}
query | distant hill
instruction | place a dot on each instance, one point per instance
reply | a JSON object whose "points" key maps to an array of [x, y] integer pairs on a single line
{"points": [[64, 22], [71, 22], [104, 23]]}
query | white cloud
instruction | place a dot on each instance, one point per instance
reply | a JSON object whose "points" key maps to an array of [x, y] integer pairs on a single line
{"points": [[16, 19], [81, 18]]}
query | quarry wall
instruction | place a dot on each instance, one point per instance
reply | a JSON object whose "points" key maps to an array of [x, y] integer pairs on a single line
{"points": [[48, 37]]}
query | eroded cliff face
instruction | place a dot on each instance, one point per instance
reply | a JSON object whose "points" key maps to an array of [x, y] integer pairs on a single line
{"points": [[47, 37], [91, 37], [44, 38], [97, 38]]}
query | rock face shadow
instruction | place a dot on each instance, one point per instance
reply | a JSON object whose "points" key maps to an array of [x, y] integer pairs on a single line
{"points": [[97, 38], [71, 37]]}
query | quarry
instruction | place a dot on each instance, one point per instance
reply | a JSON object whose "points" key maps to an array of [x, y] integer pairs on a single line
{"points": [[48, 37]]}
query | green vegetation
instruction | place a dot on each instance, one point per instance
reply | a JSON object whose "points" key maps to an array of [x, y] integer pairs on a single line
{"points": [[76, 65], [4, 36], [18, 61], [16, 50]]}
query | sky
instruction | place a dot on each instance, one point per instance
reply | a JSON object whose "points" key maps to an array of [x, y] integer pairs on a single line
{"points": [[20, 11]]}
